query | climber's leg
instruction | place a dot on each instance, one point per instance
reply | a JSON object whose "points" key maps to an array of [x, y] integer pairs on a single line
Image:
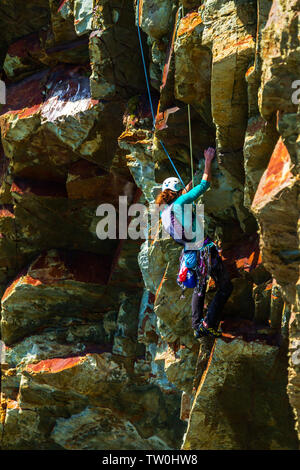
{"points": [[222, 279], [197, 308]]}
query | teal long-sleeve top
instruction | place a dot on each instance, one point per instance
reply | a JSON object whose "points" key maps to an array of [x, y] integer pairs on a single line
{"points": [[193, 194], [186, 219]]}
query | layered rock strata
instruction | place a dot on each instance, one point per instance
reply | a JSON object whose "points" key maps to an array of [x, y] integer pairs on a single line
{"points": [[98, 340]]}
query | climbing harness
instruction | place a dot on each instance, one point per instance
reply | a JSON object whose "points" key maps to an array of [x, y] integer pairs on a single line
{"points": [[195, 264], [180, 13]]}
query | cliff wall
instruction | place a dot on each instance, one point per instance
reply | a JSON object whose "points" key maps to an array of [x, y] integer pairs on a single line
{"points": [[99, 348]]}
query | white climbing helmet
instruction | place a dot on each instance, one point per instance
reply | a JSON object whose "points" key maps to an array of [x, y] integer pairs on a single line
{"points": [[172, 183]]}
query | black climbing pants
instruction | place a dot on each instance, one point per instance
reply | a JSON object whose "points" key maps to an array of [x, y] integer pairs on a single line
{"points": [[224, 289]]}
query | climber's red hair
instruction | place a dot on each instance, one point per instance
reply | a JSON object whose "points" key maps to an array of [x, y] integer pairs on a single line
{"points": [[167, 197]]}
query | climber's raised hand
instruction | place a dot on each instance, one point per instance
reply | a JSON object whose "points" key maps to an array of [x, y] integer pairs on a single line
{"points": [[209, 154]]}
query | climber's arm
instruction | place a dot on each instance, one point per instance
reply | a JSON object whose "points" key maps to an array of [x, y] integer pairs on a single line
{"points": [[193, 194], [209, 155], [190, 195], [187, 188]]}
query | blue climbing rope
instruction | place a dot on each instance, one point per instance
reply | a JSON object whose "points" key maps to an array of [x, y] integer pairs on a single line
{"points": [[144, 64], [149, 92]]}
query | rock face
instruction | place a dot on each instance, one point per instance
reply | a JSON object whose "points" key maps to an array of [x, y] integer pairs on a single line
{"points": [[99, 345], [224, 415]]}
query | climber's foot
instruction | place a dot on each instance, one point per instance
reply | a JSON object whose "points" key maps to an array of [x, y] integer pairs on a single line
{"points": [[199, 334], [205, 330]]}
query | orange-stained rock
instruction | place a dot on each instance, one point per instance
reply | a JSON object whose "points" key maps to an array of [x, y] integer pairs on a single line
{"points": [[78, 280], [20, 104], [53, 366], [23, 279], [188, 23], [275, 207], [276, 177], [90, 375], [26, 121], [133, 137], [162, 118], [11, 404], [6, 212], [62, 4], [243, 257], [259, 143]]}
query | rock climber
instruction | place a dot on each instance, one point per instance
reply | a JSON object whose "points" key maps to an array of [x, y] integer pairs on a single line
{"points": [[208, 262]]}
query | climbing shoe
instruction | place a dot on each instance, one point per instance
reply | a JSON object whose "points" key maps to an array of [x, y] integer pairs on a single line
{"points": [[201, 332], [198, 334], [204, 330]]}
